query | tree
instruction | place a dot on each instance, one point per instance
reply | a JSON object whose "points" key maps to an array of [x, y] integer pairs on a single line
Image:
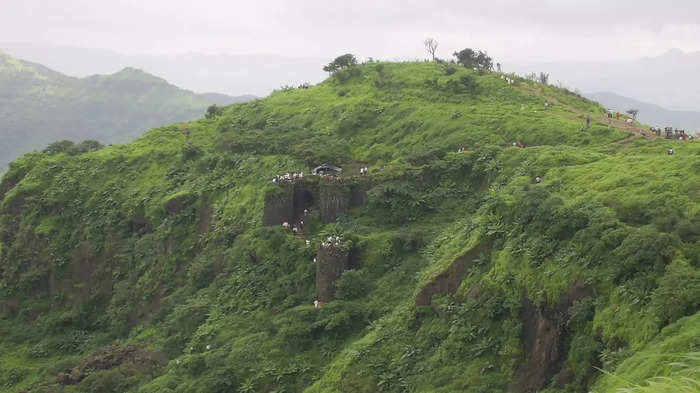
{"points": [[633, 113], [543, 78], [213, 111], [340, 62], [473, 59], [431, 46], [59, 147]]}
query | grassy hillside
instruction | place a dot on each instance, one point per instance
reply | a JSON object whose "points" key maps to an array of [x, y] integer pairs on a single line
{"points": [[39, 106], [145, 267]]}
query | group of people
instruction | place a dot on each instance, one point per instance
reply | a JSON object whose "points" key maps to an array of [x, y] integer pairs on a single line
{"points": [[295, 228], [461, 149], [363, 171], [288, 177], [332, 241], [508, 79]]}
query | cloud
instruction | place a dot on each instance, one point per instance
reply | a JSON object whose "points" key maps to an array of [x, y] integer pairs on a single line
{"points": [[509, 29]]}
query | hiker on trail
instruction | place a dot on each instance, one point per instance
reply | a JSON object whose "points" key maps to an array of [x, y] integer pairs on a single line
{"points": [[315, 303], [295, 230], [306, 211], [308, 242], [618, 115], [671, 151], [588, 121], [538, 180], [366, 170], [301, 223], [285, 225], [546, 105]]}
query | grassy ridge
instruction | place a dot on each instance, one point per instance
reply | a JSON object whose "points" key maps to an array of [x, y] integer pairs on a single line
{"points": [[157, 245]]}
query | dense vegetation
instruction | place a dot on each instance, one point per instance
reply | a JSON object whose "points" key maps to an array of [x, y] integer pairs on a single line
{"points": [[39, 106], [144, 267]]}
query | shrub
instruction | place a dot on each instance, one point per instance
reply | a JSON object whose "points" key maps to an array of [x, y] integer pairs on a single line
{"points": [[353, 284]]}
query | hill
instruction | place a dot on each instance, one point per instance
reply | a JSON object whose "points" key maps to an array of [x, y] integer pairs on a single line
{"points": [[39, 106], [663, 80], [650, 113], [231, 74], [161, 265]]}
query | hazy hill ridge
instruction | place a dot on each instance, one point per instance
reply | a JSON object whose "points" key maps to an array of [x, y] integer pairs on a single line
{"points": [[649, 113], [39, 106], [495, 245]]}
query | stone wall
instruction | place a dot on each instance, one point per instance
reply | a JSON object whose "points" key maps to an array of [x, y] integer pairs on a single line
{"points": [[285, 202], [331, 262], [279, 205], [334, 201]]}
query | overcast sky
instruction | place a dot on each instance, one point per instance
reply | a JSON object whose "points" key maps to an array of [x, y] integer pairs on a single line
{"points": [[510, 30]]}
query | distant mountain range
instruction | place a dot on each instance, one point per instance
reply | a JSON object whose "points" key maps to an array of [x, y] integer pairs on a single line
{"points": [[651, 114], [670, 80], [39, 106], [230, 74]]}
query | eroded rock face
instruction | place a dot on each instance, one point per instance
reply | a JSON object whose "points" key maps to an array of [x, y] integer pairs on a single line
{"points": [[545, 338], [331, 262], [112, 357], [449, 280]]}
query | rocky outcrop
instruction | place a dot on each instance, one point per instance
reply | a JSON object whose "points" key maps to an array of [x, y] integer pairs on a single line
{"points": [[451, 278], [331, 262], [545, 338]]}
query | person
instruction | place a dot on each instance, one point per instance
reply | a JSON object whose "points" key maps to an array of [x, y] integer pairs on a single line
{"points": [[588, 121], [315, 303], [306, 211], [618, 115], [538, 180], [285, 225], [308, 242], [546, 105], [295, 229], [671, 151]]}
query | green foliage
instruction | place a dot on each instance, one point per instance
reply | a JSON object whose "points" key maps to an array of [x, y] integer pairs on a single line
{"points": [[158, 244], [473, 59], [340, 62]]}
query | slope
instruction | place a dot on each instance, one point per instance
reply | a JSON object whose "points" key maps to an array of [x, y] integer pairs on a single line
{"points": [[39, 106], [161, 265]]}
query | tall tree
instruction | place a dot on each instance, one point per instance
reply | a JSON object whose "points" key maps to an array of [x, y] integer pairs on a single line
{"points": [[340, 62], [431, 46], [472, 59]]}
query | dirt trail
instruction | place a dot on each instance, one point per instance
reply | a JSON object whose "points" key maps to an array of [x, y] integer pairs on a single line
{"points": [[579, 115]]}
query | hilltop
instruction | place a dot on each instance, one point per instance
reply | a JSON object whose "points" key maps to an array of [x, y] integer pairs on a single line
{"points": [[162, 265], [39, 106]]}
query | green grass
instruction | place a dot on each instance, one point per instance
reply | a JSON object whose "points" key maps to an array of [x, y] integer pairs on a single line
{"points": [[92, 255]]}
